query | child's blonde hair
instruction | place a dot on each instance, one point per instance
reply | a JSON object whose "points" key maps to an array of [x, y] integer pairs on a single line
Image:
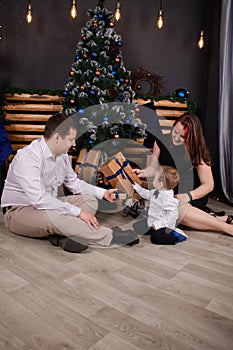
{"points": [[169, 176]]}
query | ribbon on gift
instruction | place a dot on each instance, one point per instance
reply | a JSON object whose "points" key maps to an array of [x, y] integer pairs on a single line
{"points": [[86, 164], [83, 165], [80, 166], [121, 171]]}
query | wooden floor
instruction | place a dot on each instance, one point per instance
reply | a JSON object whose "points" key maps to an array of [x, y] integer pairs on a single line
{"points": [[145, 297]]}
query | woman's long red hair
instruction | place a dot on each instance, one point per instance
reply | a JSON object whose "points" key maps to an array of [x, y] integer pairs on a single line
{"points": [[194, 139]]}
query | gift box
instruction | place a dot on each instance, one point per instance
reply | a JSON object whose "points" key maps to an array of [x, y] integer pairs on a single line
{"points": [[87, 165], [118, 173]]}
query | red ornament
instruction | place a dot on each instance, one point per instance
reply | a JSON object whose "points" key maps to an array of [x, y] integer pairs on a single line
{"points": [[85, 55], [114, 47], [112, 92], [95, 24]]}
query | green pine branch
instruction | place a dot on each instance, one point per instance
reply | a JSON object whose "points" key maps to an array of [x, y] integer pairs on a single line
{"points": [[101, 3]]}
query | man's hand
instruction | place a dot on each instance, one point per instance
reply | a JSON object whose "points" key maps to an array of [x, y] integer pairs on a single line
{"points": [[108, 195], [139, 172], [89, 219]]}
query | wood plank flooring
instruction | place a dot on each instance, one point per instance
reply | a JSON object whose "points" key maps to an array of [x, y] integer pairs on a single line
{"points": [[129, 298]]}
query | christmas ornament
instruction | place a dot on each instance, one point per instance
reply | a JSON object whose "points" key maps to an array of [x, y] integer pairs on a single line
{"points": [[94, 55], [111, 24], [105, 121], [92, 92], [117, 59], [181, 93]]}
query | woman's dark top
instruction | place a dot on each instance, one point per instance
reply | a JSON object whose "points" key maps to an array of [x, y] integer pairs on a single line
{"points": [[177, 157]]}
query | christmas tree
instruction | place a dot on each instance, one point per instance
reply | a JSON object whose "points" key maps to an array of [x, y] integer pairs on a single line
{"points": [[99, 77]]}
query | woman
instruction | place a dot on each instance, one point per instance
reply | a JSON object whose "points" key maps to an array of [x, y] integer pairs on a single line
{"points": [[189, 154]]}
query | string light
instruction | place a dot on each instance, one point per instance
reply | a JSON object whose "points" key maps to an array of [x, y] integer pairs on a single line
{"points": [[160, 20], [201, 42], [73, 10], [0, 32], [29, 13], [117, 14]]}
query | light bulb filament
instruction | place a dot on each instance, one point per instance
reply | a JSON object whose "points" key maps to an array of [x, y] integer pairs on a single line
{"points": [[73, 10], [29, 13], [117, 14], [160, 21], [201, 42]]}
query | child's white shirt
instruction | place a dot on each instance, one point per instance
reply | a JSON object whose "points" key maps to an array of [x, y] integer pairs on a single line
{"points": [[163, 207]]}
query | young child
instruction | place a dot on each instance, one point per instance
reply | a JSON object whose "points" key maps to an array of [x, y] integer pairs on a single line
{"points": [[163, 208]]}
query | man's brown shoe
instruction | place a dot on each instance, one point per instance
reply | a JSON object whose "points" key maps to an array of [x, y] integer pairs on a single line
{"points": [[68, 244]]}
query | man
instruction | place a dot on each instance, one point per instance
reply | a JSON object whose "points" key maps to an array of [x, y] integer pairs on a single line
{"points": [[30, 199]]}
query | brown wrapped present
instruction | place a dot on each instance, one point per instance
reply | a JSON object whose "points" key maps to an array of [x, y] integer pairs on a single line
{"points": [[119, 174], [87, 165]]}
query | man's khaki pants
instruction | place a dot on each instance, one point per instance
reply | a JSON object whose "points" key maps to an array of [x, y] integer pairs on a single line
{"points": [[31, 222]]}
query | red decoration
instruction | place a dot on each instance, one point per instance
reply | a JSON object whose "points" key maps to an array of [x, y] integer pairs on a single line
{"points": [[112, 92]]}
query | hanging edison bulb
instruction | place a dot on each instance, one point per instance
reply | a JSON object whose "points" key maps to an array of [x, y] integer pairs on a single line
{"points": [[201, 42], [29, 13], [117, 14], [73, 10], [160, 20]]}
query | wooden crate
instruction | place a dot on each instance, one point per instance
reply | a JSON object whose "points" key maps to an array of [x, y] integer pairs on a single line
{"points": [[167, 111], [27, 115]]}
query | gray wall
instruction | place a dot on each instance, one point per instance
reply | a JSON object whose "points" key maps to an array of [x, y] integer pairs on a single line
{"points": [[40, 55]]}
